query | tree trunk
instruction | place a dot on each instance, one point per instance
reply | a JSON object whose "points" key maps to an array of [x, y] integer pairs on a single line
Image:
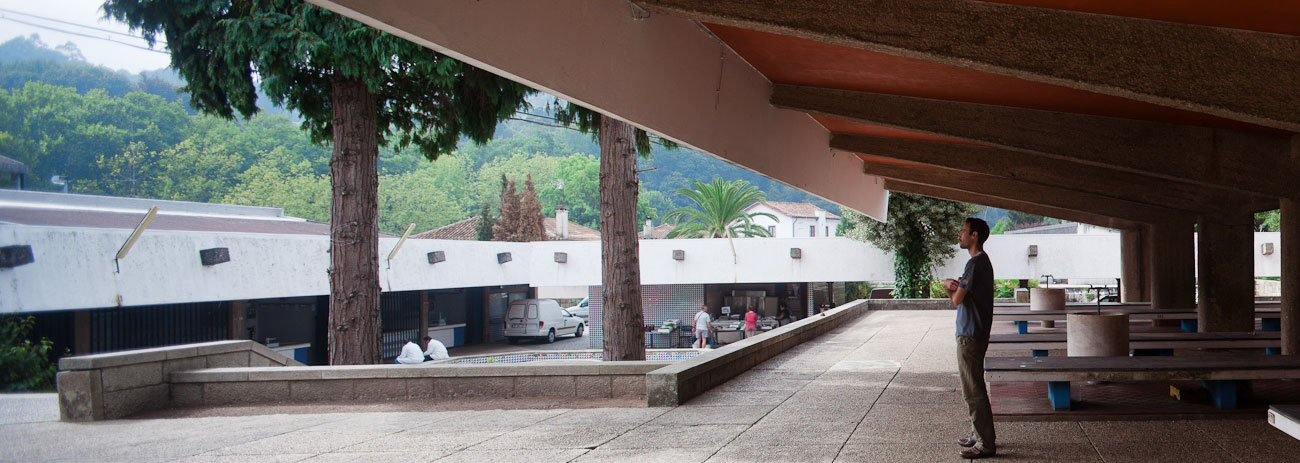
{"points": [[354, 326], [622, 320]]}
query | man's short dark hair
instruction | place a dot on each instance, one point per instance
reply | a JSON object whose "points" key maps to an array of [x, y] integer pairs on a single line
{"points": [[980, 227], [427, 338]]}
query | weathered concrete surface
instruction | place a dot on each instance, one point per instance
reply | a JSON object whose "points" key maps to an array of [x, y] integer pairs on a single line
{"points": [[1177, 65], [1134, 272], [1225, 290], [1172, 263], [881, 388], [1290, 250], [953, 194]]}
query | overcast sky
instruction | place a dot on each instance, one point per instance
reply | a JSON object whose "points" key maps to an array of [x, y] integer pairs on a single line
{"points": [[107, 49]]}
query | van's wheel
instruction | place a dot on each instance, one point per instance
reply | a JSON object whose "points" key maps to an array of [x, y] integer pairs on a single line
{"points": [[550, 337], [513, 340], [578, 333]]}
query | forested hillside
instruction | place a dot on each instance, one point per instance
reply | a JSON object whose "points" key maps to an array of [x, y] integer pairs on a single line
{"points": [[125, 134]]}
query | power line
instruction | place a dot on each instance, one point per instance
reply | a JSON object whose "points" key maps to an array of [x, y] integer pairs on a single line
{"points": [[79, 34], [60, 21]]}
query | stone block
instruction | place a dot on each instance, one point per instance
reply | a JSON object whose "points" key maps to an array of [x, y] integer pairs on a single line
{"points": [[114, 359], [182, 364], [132, 376], [594, 387], [187, 395], [544, 386], [494, 387], [322, 390], [80, 396], [381, 389], [127, 402], [355, 371], [217, 375], [419, 388], [228, 359], [255, 360], [245, 392], [286, 373], [628, 386]]}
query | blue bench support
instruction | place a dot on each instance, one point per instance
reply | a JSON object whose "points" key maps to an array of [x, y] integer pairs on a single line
{"points": [[1058, 392], [1039, 352], [1190, 326], [1223, 392], [1270, 324], [1022, 327]]}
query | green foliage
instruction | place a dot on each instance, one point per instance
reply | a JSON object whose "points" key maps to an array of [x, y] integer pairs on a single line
{"points": [[719, 211], [1000, 227], [294, 188], [24, 365], [297, 51], [485, 223], [854, 290], [920, 231], [1270, 221]]}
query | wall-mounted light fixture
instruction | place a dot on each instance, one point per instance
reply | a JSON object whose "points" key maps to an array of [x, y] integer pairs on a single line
{"points": [[437, 256], [503, 257], [679, 254], [13, 256], [214, 256], [1033, 250], [796, 253], [561, 257], [1266, 249]]}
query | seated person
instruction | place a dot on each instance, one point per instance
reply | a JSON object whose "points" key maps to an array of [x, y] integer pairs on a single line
{"points": [[411, 354], [435, 350]]}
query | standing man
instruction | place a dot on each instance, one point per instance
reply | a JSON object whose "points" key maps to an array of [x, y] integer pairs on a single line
{"points": [[702, 328], [973, 296]]}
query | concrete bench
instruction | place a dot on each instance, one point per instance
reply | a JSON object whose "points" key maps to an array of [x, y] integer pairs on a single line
{"points": [[1145, 343], [1270, 316], [1221, 375]]}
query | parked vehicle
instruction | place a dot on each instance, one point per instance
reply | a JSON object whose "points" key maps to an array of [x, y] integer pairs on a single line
{"points": [[580, 310], [540, 319]]}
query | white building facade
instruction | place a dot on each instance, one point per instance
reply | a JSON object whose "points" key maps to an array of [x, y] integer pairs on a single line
{"points": [[795, 220]]}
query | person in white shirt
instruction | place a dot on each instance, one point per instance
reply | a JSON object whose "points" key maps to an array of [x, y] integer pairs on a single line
{"points": [[411, 354], [435, 350], [702, 328]]}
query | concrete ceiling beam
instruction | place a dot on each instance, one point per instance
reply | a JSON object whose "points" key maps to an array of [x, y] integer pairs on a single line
{"points": [[1027, 192], [1042, 170], [1231, 73], [1246, 162], [1003, 203], [661, 73]]}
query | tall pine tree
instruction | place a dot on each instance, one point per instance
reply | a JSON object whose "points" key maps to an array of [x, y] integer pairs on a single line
{"points": [[354, 86]]}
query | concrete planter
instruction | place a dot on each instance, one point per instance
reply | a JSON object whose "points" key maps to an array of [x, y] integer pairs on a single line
{"points": [[1097, 335], [1047, 299]]}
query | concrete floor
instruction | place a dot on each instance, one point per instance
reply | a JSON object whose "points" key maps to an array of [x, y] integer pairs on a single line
{"points": [[882, 388]]}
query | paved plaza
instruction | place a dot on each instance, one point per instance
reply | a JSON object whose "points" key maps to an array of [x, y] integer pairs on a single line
{"points": [[882, 388]]}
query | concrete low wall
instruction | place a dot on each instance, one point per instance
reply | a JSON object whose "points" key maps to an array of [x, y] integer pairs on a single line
{"points": [[369, 383], [681, 381], [115, 385]]}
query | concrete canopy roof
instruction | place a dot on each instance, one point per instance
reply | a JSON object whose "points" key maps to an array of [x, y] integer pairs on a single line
{"points": [[1109, 111]]}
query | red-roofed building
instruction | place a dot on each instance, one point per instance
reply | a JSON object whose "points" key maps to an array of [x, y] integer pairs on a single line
{"points": [[795, 220]]}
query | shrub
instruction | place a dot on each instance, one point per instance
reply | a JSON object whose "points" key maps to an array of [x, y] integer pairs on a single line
{"points": [[24, 365]]}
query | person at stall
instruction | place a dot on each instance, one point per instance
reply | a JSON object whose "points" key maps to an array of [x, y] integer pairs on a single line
{"points": [[702, 327], [782, 315], [751, 323]]}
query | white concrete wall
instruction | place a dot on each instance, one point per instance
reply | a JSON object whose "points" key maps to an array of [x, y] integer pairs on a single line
{"points": [[74, 267], [791, 227], [781, 225]]}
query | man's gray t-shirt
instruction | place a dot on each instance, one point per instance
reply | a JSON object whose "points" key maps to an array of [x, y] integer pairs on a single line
{"points": [[975, 313]]}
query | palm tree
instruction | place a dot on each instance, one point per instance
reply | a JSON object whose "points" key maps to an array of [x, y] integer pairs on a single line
{"points": [[719, 212]]}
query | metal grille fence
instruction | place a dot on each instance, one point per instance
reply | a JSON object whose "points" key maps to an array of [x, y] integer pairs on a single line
{"points": [[400, 317], [158, 325]]}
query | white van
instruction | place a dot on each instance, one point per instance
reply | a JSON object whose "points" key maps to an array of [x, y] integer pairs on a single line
{"points": [[540, 319]]}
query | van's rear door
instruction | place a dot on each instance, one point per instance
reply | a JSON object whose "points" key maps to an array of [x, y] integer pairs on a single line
{"points": [[516, 319]]}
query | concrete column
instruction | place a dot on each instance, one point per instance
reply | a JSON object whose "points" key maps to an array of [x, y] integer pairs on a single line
{"points": [[237, 330], [81, 332], [424, 313], [1133, 266], [1290, 250], [1171, 265], [1225, 273]]}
